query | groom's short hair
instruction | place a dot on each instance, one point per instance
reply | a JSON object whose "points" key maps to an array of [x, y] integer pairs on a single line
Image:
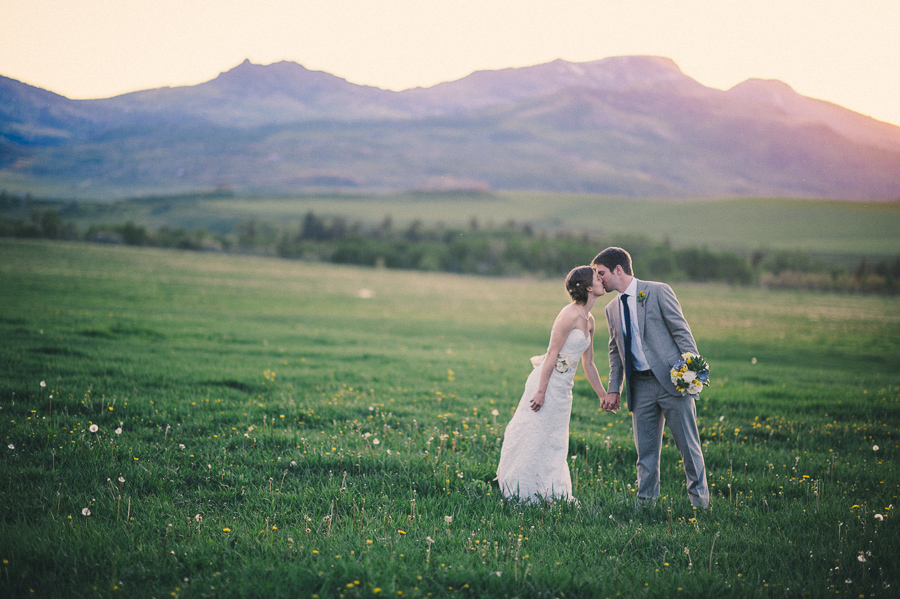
{"points": [[612, 257]]}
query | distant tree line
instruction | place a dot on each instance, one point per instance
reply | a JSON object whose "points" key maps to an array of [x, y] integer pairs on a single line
{"points": [[512, 249]]}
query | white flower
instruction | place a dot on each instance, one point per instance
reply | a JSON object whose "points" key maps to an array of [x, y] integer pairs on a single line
{"points": [[198, 518], [430, 540], [563, 363], [86, 512], [879, 517], [11, 446], [121, 479], [293, 463], [375, 441], [860, 558], [874, 448], [689, 376], [753, 361], [119, 431], [94, 428], [448, 519], [181, 445], [495, 412], [43, 384]]}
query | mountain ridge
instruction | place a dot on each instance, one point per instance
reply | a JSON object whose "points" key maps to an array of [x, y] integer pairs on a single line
{"points": [[633, 126]]}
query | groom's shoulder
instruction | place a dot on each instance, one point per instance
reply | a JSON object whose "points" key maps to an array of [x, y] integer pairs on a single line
{"points": [[658, 287], [653, 284]]}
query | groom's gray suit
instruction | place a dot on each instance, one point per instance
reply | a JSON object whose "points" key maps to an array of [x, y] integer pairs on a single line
{"points": [[652, 397]]}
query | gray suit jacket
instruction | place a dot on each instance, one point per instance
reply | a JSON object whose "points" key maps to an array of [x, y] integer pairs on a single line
{"points": [[665, 335]]}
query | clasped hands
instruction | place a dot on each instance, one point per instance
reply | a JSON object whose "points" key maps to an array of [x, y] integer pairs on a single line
{"points": [[610, 403]]}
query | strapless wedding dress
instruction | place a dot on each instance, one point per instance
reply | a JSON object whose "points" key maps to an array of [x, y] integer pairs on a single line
{"points": [[533, 463]]}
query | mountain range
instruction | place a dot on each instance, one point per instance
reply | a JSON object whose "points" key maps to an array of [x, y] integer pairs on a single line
{"points": [[632, 126]]}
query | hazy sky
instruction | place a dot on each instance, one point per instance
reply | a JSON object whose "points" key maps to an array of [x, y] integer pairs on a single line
{"points": [[844, 51]]}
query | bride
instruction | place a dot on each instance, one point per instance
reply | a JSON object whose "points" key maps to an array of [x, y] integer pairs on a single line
{"points": [[533, 463]]}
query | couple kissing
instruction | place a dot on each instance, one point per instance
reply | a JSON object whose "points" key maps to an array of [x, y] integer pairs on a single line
{"points": [[648, 335]]}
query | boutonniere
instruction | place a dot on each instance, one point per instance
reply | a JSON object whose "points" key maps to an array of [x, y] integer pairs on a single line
{"points": [[641, 297]]}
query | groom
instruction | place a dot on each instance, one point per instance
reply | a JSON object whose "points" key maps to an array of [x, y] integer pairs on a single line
{"points": [[648, 317]]}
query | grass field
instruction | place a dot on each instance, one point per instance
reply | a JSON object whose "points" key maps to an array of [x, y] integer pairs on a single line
{"points": [[271, 428], [825, 228]]}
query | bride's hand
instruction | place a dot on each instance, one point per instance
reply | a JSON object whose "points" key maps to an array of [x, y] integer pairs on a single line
{"points": [[537, 401]]}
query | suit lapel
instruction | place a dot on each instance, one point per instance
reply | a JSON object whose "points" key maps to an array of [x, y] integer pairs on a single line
{"points": [[642, 310]]}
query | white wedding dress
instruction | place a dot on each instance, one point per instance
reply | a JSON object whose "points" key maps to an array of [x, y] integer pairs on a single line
{"points": [[533, 463]]}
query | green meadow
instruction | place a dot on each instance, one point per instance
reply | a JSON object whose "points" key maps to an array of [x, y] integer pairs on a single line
{"points": [[185, 424]]}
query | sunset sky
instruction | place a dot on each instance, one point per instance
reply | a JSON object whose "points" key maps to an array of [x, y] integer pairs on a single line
{"points": [[836, 50]]}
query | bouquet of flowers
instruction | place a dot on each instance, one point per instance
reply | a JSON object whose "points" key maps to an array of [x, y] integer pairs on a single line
{"points": [[690, 374]]}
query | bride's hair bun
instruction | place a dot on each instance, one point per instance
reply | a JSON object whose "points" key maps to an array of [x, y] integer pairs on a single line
{"points": [[577, 282]]}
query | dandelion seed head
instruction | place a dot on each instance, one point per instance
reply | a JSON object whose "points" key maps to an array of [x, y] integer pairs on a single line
{"points": [[874, 448], [879, 517], [85, 512], [119, 431], [448, 519], [43, 384], [11, 446], [375, 442], [121, 479], [94, 428]]}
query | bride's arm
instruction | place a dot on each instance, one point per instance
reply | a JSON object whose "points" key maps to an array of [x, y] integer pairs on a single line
{"points": [[590, 370], [562, 326]]}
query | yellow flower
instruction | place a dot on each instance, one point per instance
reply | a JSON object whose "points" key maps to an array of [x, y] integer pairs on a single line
{"points": [[226, 530]]}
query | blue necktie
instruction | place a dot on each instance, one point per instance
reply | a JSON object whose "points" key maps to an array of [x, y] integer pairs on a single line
{"points": [[626, 327]]}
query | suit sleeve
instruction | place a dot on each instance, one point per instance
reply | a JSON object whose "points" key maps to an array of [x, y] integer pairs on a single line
{"points": [[615, 360], [675, 320]]}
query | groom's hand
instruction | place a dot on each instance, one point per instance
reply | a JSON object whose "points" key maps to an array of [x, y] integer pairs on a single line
{"points": [[611, 403]]}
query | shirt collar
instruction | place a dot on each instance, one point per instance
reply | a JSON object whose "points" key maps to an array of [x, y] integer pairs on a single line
{"points": [[631, 290]]}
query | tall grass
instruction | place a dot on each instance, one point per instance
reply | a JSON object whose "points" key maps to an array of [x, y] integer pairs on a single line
{"points": [[273, 428]]}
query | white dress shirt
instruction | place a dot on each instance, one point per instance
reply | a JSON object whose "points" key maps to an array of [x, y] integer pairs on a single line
{"points": [[637, 348]]}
